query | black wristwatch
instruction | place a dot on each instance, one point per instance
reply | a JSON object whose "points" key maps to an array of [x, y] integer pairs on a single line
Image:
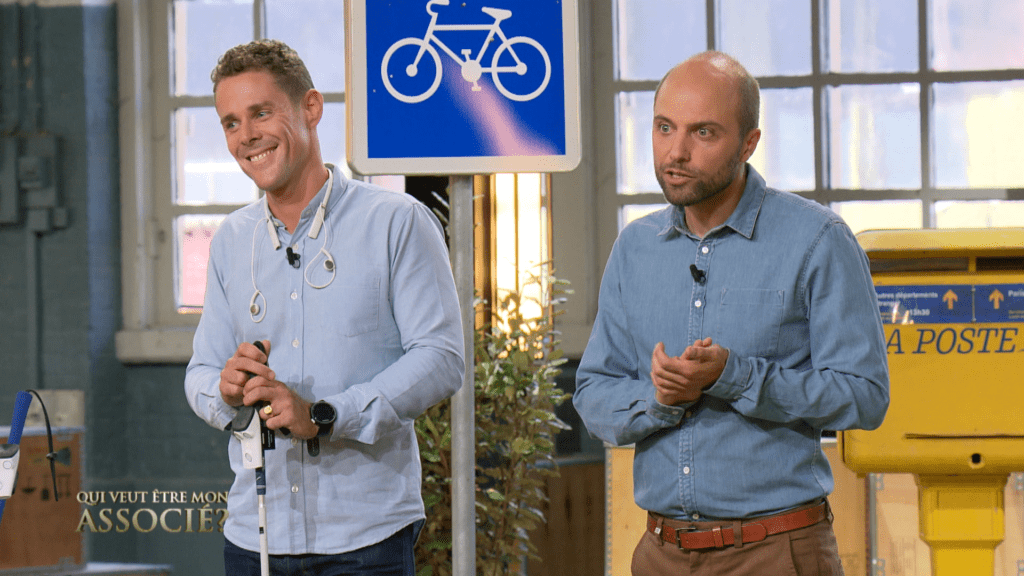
{"points": [[323, 415]]}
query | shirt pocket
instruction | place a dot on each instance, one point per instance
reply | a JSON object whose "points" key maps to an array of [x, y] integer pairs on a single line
{"points": [[360, 307], [750, 321]]}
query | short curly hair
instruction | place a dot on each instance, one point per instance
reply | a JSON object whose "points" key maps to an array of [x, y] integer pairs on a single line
{"points": [[273, 56]]}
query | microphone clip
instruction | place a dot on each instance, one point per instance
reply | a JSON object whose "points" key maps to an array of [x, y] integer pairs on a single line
{"points": [[698, 275], [293, 257]]}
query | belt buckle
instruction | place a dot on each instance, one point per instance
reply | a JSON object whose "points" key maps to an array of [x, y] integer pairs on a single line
{"points": [[683, 530]]}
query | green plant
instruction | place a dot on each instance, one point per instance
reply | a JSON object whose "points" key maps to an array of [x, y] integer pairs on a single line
{"points": [[516, 362]]}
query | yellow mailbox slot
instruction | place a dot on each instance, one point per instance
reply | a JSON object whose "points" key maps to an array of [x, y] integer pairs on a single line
{"points": [[952, 303]]}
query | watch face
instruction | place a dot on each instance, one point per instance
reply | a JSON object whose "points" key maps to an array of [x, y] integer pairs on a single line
{"points": [[323, 413]]}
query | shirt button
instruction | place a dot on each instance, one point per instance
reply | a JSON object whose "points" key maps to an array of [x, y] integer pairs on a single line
{"points": [[704, 249], [686, 470], [696, 516], [295, 295], [295, 489], [698, 304], [295, 343], [687, 414]]}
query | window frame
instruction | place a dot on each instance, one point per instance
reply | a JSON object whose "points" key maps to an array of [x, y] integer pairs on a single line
{"points": [[586, 202], [606, 78]]}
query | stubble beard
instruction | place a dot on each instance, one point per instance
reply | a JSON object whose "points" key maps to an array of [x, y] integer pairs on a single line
{"points": [[702, 186]]}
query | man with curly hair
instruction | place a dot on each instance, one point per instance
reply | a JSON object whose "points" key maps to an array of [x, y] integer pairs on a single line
{"points": [[349, 290]]}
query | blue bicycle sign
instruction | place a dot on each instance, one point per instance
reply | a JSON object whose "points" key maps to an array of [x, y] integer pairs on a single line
{"points": [[518, 56], [462, 86]]}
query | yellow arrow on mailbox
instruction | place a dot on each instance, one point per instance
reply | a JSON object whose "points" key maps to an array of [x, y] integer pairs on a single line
{"points": [[949, 298], [996, 297]]}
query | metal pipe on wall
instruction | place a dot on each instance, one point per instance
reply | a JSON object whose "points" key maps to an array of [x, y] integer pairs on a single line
{"points": [[10, 44], [21, 123], [34, 318]]}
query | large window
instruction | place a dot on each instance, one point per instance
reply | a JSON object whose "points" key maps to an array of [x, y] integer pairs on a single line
{"points": [[206, 182], [179, 179], [896, 113]]}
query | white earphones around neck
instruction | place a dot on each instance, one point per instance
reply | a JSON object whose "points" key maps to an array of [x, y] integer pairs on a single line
{"points": [[257, 312]]}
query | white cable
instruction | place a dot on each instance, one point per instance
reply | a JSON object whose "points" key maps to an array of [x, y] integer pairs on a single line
{"points": [[256, 312], [271, 227], [328, 263]]}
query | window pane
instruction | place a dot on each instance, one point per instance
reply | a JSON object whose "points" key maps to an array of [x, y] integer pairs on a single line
{"points": [[315, 29], [887, 215], [875, 136], [872, 35], [785, 153], [193, 234], [643, 29], [981, 214], [631, 212], [971, 35], [200, 36], [332, 136], [205, 173], [635, 112], [978, 140], [769, 37]]}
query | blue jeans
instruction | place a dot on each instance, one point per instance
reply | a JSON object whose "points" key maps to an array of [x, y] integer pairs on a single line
{"points": [[392, 557]]}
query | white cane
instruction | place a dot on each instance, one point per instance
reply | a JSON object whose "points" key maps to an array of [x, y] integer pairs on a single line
{"points": [[246, 427], [261, 494], [255, 437]]}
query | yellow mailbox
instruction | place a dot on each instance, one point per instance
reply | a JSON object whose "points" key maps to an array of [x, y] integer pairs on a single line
{"points": [[952, 303]]}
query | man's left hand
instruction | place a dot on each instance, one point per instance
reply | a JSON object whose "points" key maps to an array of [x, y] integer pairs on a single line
{"points": [[287, 409], [684, 378]]}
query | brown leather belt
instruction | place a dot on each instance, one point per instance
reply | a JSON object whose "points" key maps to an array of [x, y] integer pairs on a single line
{"points": [[721, 536]]}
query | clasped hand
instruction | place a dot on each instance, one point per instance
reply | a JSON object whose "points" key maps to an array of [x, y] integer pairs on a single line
{"points": [[246, 380], [684, 378]]}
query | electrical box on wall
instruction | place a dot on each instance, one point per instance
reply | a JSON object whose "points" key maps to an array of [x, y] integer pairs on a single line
{"points": [[29, 184]]}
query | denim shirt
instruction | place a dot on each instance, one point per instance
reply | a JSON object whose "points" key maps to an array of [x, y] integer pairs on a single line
{"points": [[788, 292], [381, 342]]}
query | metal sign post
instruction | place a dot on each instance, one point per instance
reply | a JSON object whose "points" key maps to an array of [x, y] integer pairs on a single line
{"points": [[463, 403], [462, 88]]}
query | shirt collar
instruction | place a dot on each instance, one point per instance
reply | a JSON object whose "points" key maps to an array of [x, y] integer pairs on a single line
{"points": [[338, 188], [742, 219], [336, 180]]}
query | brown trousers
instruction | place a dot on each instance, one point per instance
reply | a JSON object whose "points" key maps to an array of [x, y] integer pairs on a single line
{"points": [[809, 551]]}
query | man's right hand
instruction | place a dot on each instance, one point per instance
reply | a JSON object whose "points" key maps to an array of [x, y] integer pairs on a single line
{"points": [[247, 362]]}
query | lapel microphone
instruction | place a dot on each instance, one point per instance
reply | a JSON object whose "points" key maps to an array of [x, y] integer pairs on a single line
{"points": [[698, 275], [293, 257]]}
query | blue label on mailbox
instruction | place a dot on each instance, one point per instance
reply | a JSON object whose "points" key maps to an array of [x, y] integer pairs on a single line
{"points": [[951, 303], [928, 304], [999, 303]]}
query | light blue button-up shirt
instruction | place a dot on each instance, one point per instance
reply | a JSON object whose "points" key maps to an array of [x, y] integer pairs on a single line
{"points": [[381, 342], [788, 292]]}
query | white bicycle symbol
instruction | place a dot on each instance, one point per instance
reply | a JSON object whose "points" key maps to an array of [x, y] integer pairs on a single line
{"points": [[472, 70]]}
